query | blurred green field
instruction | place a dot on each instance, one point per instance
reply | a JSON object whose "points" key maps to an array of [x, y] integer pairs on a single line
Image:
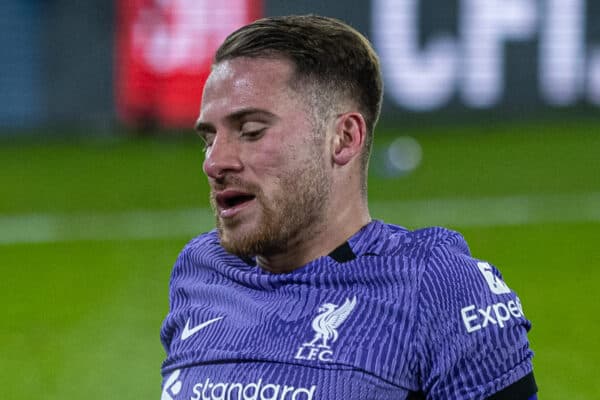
{"points": [[89, 230]]}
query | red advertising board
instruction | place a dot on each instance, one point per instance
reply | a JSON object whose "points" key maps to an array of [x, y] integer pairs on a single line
{"points": [[164, 52]]}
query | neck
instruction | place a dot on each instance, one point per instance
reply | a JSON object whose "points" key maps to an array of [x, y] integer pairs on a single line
{"points": [[321, 240]]}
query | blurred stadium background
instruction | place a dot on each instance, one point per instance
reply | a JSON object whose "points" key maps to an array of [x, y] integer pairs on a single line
{"points": [[490, 126]]}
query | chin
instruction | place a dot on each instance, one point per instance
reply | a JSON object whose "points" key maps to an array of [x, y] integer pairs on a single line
{"points": [[241, 239]]}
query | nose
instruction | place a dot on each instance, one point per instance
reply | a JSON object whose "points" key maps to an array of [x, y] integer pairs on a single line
{"points": [[222, 157]]}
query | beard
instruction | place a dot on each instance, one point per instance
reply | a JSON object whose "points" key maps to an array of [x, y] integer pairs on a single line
{"points": [[294, 212]]}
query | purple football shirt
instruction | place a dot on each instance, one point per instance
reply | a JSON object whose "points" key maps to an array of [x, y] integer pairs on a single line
{"points": [[389, 314]]}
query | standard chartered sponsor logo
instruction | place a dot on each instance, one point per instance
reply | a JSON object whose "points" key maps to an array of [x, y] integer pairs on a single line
{"points": [[208, 390], [496, 314]]}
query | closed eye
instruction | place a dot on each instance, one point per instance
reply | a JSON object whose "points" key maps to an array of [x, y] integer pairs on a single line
{"points": [[253, 134]]}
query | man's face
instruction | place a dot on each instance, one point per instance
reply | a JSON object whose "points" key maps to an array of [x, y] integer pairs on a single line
{"points": [[266, 165]]}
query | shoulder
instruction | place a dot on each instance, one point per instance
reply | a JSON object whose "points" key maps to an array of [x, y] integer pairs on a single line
{"points": [[446, 274], [200, 252], [202, 247], [427, 253], [421, 243], [469, 321], [449, 276], [205, 242]]}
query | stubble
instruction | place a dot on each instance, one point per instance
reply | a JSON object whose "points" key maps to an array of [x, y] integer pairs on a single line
{"points": [[294, 213]]}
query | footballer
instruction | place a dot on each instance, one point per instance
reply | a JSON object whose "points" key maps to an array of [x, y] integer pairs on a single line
{"points": [[298, 294]]}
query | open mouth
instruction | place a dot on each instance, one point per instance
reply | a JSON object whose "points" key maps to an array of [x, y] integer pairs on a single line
{"points": [[231, 200]]}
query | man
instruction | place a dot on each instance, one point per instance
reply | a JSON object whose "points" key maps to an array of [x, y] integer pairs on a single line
{"points": [[298, 294]]}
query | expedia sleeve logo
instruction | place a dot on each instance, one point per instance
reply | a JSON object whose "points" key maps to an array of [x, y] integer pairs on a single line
{"points": [[497, 286], [498, 314], [476, 318]]}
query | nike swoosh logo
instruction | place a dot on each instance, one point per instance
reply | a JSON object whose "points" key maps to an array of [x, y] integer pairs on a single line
{"points": [[187, 331]]}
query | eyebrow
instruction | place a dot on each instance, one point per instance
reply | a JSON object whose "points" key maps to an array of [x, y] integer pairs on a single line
{"points": [[203, 127]]}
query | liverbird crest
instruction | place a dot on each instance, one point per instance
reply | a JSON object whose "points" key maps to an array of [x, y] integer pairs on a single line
{"points": [[326, 323]]}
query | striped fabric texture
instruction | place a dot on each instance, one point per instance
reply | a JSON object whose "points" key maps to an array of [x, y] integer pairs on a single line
{"points": [[410, 312]]}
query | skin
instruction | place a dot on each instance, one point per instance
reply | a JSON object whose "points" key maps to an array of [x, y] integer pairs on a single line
{"points": [[300, 185]]}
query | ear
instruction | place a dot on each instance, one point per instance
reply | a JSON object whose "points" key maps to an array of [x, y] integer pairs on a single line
{"points": [[349, 139]]}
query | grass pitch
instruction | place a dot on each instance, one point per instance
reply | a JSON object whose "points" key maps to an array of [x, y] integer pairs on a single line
{"points": [[85, 300]]}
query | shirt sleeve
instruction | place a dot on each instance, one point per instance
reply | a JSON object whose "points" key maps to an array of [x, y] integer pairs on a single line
{"points": [[471, 334]]}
